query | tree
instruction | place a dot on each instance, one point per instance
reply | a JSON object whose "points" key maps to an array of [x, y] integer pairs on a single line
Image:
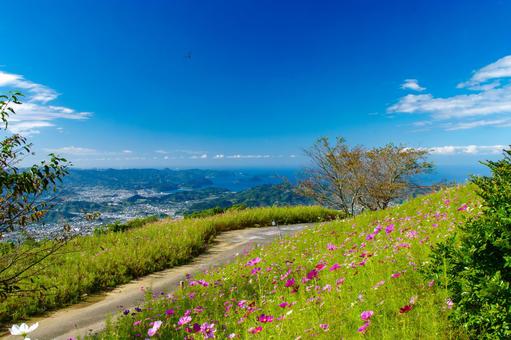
{"points": [[353, 179], [23, 200]]}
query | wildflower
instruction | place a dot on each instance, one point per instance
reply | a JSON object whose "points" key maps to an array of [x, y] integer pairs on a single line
{"points": [[389, 229], [449, 303], [23, 329], [379, 284], [331, 246], [156, 325], [431, 283], [340, 281], [366, 315], [395, 275], [463, 207], [363, 328], [447, 202], [324, 326], [265, 318], [169, 312], [254, 261], [136, 323], [284, 305], [231, 336], [255, 330], [312, 274], [184, 320], [255, 271], [327, 287], [320, 266], [405, 309], [335, 266], [208, 330]]}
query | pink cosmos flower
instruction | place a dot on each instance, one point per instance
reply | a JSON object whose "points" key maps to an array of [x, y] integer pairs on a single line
{"points": [[255, 330], [290, 282], [379, 284], [184, 320], [324, 326], [208, 330], [156, 325], [320, 266], [335, 266], [340, 281], [447, 202], [366, 315], [363, 328], [169, 312], [254, 261], [284, 304], [136, 323], [431, 283], [312, 274], [395, 275], [255, 271], [389, 229], [463, 207], [265, 318], [331, 246], [449, 303]]}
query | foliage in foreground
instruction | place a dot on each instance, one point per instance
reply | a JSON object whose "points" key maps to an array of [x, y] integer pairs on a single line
{"points": [[94, 263], [475, 266], [22, 199], [354, 278]]}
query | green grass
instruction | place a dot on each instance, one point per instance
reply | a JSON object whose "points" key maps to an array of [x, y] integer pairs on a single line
{"points": [[405, 307], [95, 263]]}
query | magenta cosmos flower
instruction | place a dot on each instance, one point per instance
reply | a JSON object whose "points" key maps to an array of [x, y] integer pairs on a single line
{"points": [[254, 261], [366, 315]]}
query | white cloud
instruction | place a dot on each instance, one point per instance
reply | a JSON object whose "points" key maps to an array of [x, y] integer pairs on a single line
{"points": [[465, 149], [127, 151], [491, 98], [497, 70], [412, 84], [73, 150], [36, 110], [162, 152]]}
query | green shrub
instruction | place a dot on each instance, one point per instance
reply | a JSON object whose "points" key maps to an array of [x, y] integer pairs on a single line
{"points": [[119, 226], [474, 266]]}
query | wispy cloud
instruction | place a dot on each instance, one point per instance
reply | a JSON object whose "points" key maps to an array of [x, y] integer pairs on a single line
{"points": [[74, 151], [36, 111], [465, 149], [489, 97], [412, 84]]}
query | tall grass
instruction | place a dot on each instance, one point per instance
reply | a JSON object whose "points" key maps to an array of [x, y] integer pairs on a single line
{"points": [[319, 283], [97, 262]]}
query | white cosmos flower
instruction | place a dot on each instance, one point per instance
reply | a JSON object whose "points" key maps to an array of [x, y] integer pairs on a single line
{"points": [[23, 329]]}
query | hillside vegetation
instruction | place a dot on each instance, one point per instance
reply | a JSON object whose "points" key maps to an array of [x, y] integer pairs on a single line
{"points": [[354, 278], [94, 263]]}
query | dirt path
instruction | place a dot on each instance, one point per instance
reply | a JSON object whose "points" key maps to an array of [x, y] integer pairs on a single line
{"points": [[89, 317]]}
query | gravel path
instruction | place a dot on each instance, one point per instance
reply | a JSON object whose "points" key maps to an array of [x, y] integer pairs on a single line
{"points": [[89, 317]]}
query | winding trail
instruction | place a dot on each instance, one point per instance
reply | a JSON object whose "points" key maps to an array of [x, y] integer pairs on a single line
{"points": [[89, 316]]}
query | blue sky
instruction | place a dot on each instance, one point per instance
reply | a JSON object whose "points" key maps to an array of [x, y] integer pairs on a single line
{"points": [[252, 83]]}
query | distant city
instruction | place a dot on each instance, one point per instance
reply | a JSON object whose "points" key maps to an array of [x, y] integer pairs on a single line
{"points": [[120, 195]]}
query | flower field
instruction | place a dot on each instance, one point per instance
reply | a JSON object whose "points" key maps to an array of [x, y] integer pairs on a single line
{"points": [[94, 263], [354, 278]]}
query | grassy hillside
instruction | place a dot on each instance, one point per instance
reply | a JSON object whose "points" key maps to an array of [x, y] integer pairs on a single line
{"points": [[347, 279], [94, 263]]}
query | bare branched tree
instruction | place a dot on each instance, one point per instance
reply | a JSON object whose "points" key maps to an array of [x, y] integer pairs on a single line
{"points": [[353, 178]]}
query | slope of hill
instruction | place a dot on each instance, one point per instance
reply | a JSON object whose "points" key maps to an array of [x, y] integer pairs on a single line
{"points": [[354, 278]]}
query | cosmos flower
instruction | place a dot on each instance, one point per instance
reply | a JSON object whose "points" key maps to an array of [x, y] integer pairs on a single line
{"points": [[290, 282], [255, 330], [335, 266], [366, 315], [184, 320], [208, 330], [156, 325], [265, 318], [23, 329], [254, 261], [405, 309], [363, 328], [324, 326]]}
